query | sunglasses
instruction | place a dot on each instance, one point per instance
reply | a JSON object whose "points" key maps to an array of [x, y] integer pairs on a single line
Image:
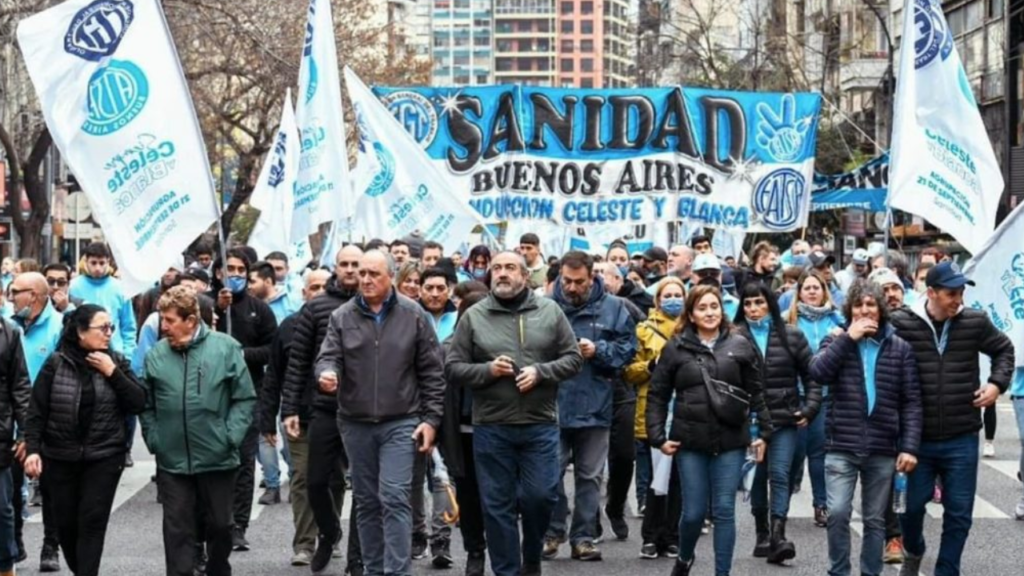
{"points": [[105, 328], [58, 282]]}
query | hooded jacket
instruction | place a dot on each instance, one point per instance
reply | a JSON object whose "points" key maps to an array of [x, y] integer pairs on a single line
{"points": [[108, 293], [651, 337], [585, 400]]}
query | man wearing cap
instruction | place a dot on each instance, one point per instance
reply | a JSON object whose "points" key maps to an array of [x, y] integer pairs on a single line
{"points": [[947, 339], [892, 288], [822, 263], [655, 264], [858, 268], [707, 270]]}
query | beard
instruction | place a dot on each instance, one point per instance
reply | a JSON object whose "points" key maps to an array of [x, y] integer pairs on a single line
{"points": [[506, 289]]}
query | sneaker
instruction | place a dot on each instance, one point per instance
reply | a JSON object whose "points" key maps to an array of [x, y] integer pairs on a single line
{"points": [[440, 553], [706, 528], [893, 551], [1018, 512], [419, 546], [476, 563], [989, 450], [619, 527], [821, 517], [586, 552], [911, 565], [49, 559], [128, 462], [302, 558], [238, 541], [937, 494], [270, 497], [641, 510], [649, 550], [670, 551], [324, 552], [550, 548], [336, 551]]}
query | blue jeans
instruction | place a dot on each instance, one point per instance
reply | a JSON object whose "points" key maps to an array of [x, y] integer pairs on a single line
{"points": [[777, 467], [717, 478], [8, 546], [381, 462], [841, 472], [644, 472], [517, 469], [587, 450], [1018, 410], [267, 457], [811, 448], [955, 461]]}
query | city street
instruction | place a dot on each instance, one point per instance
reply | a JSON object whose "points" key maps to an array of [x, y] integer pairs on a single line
{"points": [[134, 541]]}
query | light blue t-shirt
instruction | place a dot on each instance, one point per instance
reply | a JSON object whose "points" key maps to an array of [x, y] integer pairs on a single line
{"points": [[869, 349], [107, 292]]}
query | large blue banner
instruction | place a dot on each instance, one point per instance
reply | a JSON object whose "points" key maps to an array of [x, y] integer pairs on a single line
{"points": [[864, 187], [722, 159]]}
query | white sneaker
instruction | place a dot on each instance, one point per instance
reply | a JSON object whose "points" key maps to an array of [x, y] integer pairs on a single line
{"points": [[989, 451], [1018, 512]]}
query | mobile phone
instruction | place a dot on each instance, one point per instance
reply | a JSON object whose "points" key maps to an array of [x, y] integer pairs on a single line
{"points": [[515, 369]]}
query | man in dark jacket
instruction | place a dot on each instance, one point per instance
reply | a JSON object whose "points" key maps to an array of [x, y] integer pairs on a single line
{"points": [[607, 340], [253, 326], [15, 392], [310, 415], [382, 359], [947, 339], [513, 350], [638, 301], [765, 257]]}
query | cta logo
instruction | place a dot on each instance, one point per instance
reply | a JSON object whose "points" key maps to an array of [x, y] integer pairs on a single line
{"points": [[117, 94], [415, 113], [778, 198], [97, 29], [933, 36]]}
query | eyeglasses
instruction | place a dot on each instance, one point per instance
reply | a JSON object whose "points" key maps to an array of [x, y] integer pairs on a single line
{"points": [[105, 328], [58, 282], [15, 291]]}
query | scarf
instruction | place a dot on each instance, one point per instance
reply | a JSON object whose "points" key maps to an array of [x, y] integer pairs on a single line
{"points": [[814, 313]]}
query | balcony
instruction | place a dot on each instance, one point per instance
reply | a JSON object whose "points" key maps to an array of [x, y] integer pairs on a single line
{"points": [[862, 74]]}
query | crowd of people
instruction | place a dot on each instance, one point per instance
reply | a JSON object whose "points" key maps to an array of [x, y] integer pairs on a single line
{"points": [[406, 371]]}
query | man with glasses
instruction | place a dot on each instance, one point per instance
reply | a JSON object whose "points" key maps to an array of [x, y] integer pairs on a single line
{"points": [[58, 276]]}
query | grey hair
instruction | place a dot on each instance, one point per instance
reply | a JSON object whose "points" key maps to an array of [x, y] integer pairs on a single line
{"points": [[609, 268], [519, 258], [392, 267], [897, 262]]}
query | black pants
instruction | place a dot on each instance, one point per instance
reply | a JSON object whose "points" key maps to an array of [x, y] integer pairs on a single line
{"points": [[84, 494], [661, 514], [325, 480], [49, 525], [621, 450], [245, 483], [989, 417], [471, 515], [183, 496]]}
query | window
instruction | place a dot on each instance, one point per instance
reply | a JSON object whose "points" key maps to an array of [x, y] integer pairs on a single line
{"points": [[567, 27], [504, 64], [543, 26], [481, 79], [586, 45], [586, 26], [587, 83], [586, 8], [996, 8], [975, 15], [566, 7], [567, 65], [504, 46], [567, 46], [587, 64]]}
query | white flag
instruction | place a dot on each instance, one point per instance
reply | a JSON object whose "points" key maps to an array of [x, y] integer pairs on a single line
{"points": [[274, 193], [400, 189], [727, 243], [115, 100], [998, 270], [943, 166], [323, 192]]}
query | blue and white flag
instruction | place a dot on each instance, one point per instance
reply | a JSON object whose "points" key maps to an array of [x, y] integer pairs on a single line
{"points": [[274, 195], [400, 190], [726, 243], [943, 166], [998, 269], [115, 100], [323, 192]]}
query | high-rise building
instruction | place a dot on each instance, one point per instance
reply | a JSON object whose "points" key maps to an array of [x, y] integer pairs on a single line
{"points": [[462, 42], [595, 44], [524, 42]]}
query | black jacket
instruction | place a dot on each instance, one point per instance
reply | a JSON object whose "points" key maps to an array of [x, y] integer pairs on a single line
{"points": [[949, 380], [15, 389], [54, 429], [694, 425], [270, 392], [638, 296], [780, 371], [253, 324], [894, 425], [300, 392]]}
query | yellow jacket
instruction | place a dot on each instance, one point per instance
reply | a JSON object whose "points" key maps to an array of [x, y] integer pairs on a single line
{"points": [[651, 336]]}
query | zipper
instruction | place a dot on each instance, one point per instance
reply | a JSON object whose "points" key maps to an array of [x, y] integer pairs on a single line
{"points": [[199, 383], [184, 413], [376, 371]]}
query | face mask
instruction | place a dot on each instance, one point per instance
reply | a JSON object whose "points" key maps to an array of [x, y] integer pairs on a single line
{"points": [[624, 270], [235, 283], [920, 287], [479, 272], [672, 306]]}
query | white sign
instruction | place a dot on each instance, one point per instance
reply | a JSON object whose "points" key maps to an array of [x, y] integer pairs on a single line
{"points": [[77, 208]]}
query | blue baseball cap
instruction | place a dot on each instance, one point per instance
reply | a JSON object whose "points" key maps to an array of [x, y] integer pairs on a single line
{"points": [[947, 275]]}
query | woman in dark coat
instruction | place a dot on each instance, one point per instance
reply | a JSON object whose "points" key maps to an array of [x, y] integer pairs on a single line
{"points": [[76, 431], [709, 451]]}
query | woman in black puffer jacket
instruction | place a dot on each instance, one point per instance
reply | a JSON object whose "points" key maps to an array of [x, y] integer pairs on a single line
{"points": [[711, 452], [785, 363], [76, 431]]}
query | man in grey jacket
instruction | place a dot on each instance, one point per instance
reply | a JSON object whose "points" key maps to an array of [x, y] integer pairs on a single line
{"points": [[511, 351], [382, 360]]}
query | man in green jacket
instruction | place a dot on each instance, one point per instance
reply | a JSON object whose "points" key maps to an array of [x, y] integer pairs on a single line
{"points": [[199, 404]]}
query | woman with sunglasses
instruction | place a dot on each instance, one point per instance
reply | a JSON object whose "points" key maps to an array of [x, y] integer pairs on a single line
{"points": [[76, 432]]}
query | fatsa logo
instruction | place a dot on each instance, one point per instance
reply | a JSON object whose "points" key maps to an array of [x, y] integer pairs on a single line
{"points": [[778, 198], [117, 93], [96, 30]]}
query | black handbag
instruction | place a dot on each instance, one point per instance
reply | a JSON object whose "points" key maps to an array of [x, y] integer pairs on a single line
{"points": [[730, 404]]}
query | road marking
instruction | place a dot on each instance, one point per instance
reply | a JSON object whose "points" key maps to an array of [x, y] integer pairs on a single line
{"points": [[1007, 467], [982, 510]]}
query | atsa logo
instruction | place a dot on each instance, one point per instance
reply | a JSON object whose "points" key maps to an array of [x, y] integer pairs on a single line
{"points": [[415, 113], [384, 177], [933, 36], [97, 29], [779, 197], [117, 94]]}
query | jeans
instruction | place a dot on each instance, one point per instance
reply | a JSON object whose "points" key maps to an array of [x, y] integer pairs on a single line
{"points": [[246, 479], [777, 467], [381, 456], [811, 448], [471, 515], [517, 467], [841, 472], [267, 456], [587, 449], [955, 461], [644, 472], [1018, 410], [621, 450], [302, 513], [8, 545], [422, 472], [187, 497], [716, 477]]}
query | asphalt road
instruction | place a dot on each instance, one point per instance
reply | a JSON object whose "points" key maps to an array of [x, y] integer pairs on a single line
{"points": [[996, 547]]}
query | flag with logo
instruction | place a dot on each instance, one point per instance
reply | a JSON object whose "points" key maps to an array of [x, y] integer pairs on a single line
{"points": [[943, 166], [399, 189], [274, 195], [323, 191], [115, 100], [998, 270]]}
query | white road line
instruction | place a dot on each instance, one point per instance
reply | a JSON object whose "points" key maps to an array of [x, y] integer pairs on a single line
{"points": [[1007, 467], [982, 510]]}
